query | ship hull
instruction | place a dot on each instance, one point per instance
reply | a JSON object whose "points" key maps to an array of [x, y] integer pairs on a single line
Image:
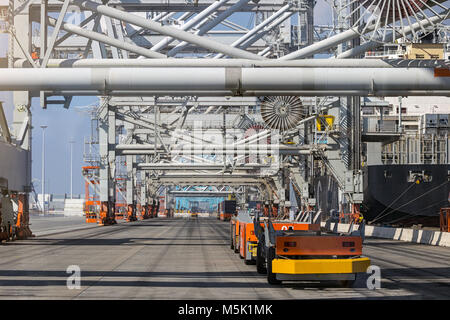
{"points": [[390, 199]]}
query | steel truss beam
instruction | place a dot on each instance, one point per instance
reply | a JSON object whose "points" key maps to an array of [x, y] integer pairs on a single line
{"points": [[92, 35], [191, 23], [182, 166], [175, 6], [166, 30], [210, 25]]}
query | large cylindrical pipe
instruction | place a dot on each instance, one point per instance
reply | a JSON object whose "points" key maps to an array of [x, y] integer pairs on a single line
{"points": [[230, 81], [241, 63], [303, 93]]}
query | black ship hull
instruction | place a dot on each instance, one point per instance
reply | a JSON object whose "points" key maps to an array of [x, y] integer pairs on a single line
{"points": [[389, 198], [399, 194]]}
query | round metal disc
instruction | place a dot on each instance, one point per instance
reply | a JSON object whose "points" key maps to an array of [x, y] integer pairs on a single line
{"points": [[387, 21], [282, 112]]}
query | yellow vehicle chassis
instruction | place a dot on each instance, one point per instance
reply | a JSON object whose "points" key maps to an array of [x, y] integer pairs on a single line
{"points": [[320, 266]]}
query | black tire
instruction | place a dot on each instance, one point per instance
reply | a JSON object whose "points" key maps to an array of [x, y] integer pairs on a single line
{"points": [[260, 261], [249, 262], [271, 277], [349, 283]]}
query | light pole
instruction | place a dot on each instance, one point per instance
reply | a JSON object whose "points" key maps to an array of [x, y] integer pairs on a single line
{"points": [[43, 168], [71, 170]]}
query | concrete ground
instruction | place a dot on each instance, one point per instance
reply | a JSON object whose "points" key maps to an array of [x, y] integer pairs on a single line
{"points": [[191, 259], [58, 223], [55, 223]]}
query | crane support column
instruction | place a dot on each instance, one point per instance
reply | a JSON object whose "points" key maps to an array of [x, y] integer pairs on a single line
{"points": [[107, 142], [131, 202]]}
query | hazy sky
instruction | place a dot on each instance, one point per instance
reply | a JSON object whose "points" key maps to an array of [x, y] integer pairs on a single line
{"points": [[63, 126]]}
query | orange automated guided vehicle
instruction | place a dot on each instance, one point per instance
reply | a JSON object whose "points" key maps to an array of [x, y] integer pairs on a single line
{"points": [[312, 255], [244, 240]]}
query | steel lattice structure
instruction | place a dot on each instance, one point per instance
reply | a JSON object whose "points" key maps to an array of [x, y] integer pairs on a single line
{"points": [[186, 87]]}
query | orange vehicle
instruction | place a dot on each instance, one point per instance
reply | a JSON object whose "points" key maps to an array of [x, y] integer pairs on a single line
{"points": [[245, 241], [309, 254]]}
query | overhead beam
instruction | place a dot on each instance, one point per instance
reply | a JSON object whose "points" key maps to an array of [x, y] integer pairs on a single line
{"points": [[181, 6], [258, 28], [82, 24], [322, 45], [146, 123], [168, 31], [241, 63], [230, 82], [200, 193], [183, 166], [107, 40], [191, 23], [210, 25], [210, 180]]}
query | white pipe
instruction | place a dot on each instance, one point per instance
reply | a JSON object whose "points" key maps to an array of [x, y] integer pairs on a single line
{"points": [[166, 30], [257, 28], [191, 23], [209, 25], [274, 24], [228, 81], [108, 40], [265, 51], [322, 45], [241, 63]]}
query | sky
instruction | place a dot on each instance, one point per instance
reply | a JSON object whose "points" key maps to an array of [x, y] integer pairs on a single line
{"points": [[65, 125]]}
